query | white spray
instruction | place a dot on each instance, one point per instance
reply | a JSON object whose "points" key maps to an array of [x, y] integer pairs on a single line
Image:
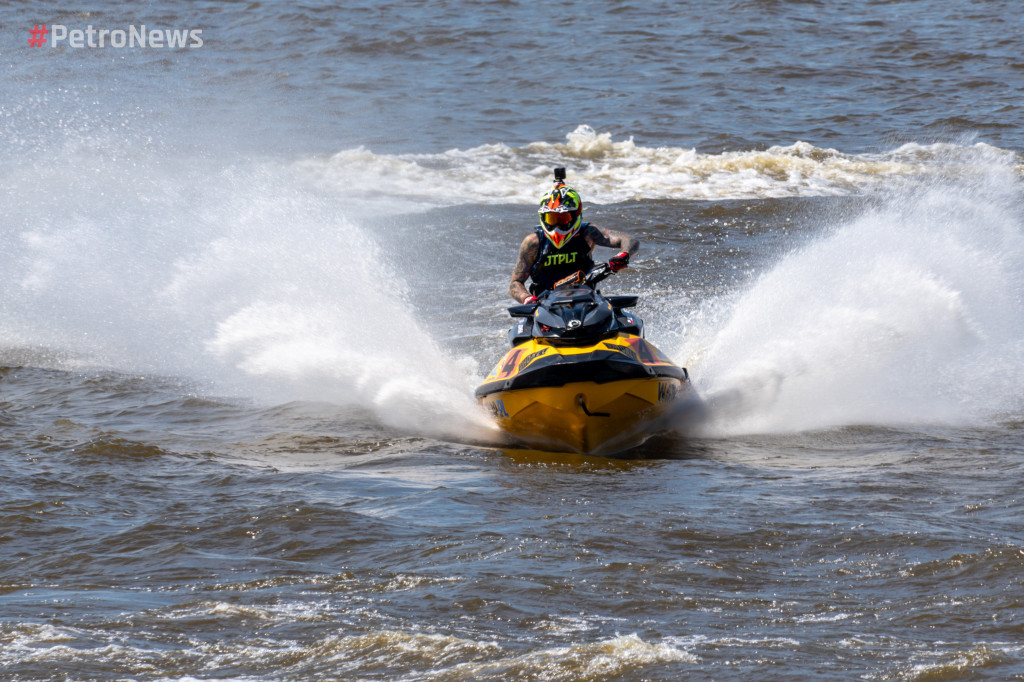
{"points": [[238, 276], [910, 313]]}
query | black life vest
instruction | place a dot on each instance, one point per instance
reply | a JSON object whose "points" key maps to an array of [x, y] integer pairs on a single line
{"points": [[554, 264]]}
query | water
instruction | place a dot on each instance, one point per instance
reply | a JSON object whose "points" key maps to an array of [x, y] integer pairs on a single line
{"points": [[251, 286]]}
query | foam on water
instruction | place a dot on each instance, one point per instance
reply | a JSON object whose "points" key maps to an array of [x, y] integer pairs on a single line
{"points": [[624, 171], [431, 656], [909, 313]]}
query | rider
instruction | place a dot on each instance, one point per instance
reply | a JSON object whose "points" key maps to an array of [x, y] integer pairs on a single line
{"points": [[562, 244]]}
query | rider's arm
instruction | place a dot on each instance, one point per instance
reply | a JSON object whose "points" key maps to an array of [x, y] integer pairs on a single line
{"points": [[521, 272], [598, 236]]}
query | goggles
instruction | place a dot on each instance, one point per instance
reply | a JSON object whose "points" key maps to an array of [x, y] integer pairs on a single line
{"points": [[556, 219]]}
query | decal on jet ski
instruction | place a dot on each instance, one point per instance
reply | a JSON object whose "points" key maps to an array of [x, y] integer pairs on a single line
{"points": [[497, 408], [510, 364], [531, 357], [667, 391], [643, 351], [638, 350], [625, 350]]}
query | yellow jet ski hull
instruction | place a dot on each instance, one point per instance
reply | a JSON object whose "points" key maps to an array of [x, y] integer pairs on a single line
{"points": [[601, 399]]}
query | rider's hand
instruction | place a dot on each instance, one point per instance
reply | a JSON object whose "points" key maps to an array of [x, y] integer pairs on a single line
{"points": [[619, 262], [529, 300]]}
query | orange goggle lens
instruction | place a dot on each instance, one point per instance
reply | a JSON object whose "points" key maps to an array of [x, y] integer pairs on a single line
{"points": [[556, 218]]}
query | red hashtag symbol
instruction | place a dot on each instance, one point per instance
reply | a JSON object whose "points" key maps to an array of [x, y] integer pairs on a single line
{"points": [[38, 36]]}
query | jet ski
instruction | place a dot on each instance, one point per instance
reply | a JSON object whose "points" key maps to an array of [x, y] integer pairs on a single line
{"points": [[580, 376]]}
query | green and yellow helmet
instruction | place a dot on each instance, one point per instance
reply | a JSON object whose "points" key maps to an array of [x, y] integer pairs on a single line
{"points": [[561, 214]]}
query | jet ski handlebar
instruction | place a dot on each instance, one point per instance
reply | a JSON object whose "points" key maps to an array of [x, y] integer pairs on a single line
{"points": [[597, 273]]}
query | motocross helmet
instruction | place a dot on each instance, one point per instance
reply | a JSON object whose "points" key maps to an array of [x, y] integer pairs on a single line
{"points": [[561, 212]]}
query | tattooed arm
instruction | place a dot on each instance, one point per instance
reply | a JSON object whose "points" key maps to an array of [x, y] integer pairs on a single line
{"points": [[528, 252], [598, 236]]}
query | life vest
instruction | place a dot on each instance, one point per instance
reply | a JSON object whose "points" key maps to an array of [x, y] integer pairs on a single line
{"points": [[554, 264]]}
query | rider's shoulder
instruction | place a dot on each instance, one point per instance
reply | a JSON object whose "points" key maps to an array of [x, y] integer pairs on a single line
{"points": [[591, 231], [531, 242]]}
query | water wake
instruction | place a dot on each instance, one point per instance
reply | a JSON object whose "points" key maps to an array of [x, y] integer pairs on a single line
{"points": [[618, 171]]}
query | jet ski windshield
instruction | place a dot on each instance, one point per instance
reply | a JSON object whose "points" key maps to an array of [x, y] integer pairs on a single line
{"points": [[569, 296]]}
